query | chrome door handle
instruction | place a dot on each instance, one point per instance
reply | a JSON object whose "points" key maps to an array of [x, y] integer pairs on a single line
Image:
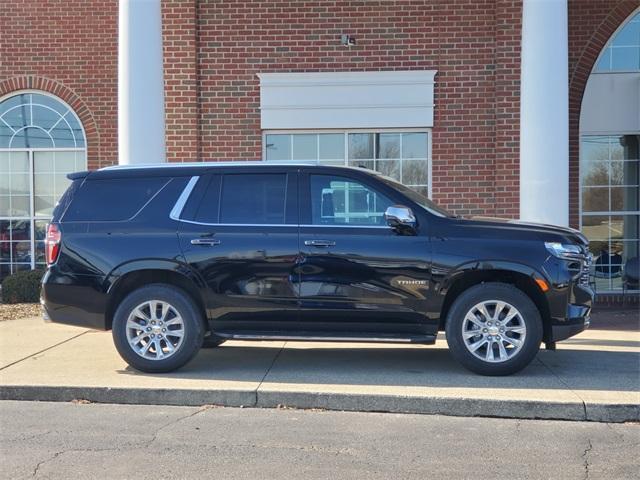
{"points": [[209, 242], [319, 243]]}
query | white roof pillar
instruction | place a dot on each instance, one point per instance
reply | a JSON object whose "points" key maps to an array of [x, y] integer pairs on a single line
{"points": [[140, 83], [544, 113]]}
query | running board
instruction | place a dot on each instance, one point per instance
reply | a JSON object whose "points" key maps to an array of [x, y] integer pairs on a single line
{"points": [[421, 339]]}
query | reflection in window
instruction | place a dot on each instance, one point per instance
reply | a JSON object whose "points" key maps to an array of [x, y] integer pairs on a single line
{"points": [[342, 201], [41, 141], [610, 183], [622, 53]]}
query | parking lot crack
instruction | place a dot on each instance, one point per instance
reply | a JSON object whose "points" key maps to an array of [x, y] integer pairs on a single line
{"points": [[585, 457], [154, 437], [36, 469]]}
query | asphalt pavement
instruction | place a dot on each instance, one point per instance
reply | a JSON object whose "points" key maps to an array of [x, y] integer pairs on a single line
{"points": [[75, 440]]}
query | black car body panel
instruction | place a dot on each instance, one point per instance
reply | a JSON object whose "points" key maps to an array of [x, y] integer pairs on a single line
{"points": [[294, 277]]}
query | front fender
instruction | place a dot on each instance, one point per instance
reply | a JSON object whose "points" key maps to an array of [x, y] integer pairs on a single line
{"points": [[459, 271]]}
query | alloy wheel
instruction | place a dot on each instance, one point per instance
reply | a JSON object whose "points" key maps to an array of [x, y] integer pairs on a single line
{"points": [[494, 331], [155, 330]]}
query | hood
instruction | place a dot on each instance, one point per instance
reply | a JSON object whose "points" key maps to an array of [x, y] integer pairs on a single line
{"points": [[552, 232]]}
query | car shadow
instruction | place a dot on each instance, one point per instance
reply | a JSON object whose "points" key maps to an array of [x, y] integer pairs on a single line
{"points": [[394, 366]]}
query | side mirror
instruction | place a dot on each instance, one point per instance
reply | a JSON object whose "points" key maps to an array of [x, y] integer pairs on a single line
{"points": [[401, 219]]}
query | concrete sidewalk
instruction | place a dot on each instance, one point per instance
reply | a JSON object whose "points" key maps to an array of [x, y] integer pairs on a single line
{"points": [[594, 376]]}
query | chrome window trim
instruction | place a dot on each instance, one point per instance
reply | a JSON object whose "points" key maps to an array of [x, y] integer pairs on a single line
{"points": [[176, 211]]}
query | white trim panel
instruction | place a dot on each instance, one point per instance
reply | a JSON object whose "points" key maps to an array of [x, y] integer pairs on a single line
{"points": [[611, 104], [400, 99]]}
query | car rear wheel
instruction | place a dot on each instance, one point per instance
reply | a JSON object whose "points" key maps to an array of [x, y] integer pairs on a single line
{"points": [[157, 328], [494, 329]]}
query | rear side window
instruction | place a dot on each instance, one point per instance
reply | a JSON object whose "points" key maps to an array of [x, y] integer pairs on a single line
{"points": [[65, 200], [253, 199], [113, 199]]}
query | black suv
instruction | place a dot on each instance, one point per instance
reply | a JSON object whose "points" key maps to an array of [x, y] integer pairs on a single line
{"points": [[176, 256]]}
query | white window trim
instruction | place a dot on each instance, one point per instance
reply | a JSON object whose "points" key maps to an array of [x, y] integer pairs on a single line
{"points": [[346, 133]]}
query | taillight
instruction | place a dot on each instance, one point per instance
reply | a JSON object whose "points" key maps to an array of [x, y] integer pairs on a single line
{"points": [[52, 243]]}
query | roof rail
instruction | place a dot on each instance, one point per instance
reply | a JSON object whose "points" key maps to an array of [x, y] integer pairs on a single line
{"points": [[238, 163]]}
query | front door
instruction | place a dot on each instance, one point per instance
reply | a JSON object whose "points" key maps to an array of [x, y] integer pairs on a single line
{"points": [[357, 274], [243, 242]]}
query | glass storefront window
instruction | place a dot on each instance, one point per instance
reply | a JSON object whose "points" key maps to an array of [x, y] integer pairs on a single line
{"points": [[610, 182], [399, 155]]}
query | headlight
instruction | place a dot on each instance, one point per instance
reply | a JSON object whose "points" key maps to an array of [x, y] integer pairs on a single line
{"points": [[564, 250]]}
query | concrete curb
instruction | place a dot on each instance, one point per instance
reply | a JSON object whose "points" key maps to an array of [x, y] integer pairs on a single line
{"points": [[464, 407]]}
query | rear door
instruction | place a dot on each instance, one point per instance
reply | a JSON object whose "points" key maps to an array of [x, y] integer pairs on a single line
{"points": [[357, 275], [240, 233]]}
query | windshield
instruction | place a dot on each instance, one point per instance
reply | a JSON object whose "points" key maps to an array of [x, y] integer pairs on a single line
{"points": [[420, 199]]}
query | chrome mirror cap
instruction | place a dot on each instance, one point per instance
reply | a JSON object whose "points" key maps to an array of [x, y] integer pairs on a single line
{"points": [[399, 216]]}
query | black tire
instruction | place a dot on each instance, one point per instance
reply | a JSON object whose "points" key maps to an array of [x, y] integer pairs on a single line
{"points": [[192, 325], [487, 292], [212, 341]]}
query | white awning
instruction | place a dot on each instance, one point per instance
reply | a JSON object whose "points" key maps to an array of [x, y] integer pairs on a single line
{"points": [[346, 99]]}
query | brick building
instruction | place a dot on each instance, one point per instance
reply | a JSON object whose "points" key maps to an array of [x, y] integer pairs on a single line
{"points": [[513, 108]]}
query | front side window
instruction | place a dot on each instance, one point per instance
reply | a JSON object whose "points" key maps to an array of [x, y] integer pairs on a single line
{"points": [[253, 199], [403, 156], [343, 201], [41, 141]]}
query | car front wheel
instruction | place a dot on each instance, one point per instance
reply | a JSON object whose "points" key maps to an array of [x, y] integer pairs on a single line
{"points": [[494, 329], [157, 328]]}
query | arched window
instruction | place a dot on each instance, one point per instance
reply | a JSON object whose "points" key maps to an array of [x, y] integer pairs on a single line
{"points": [[622, 53], [610, 161], [41, 141]]}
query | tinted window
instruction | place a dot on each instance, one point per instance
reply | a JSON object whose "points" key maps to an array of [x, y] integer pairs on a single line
{"points": [[209, 205], [253, 198], [114, 199], [66, 198], [343, 201]]}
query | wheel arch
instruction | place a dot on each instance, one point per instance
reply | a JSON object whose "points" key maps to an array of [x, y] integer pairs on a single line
{"points": [[130, 277], [520, 276]]}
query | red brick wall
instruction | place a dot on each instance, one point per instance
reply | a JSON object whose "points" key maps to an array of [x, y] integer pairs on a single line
{"points": [[182, 121], [68, 48], [213, 51], [591, 24], [473, 44]]}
